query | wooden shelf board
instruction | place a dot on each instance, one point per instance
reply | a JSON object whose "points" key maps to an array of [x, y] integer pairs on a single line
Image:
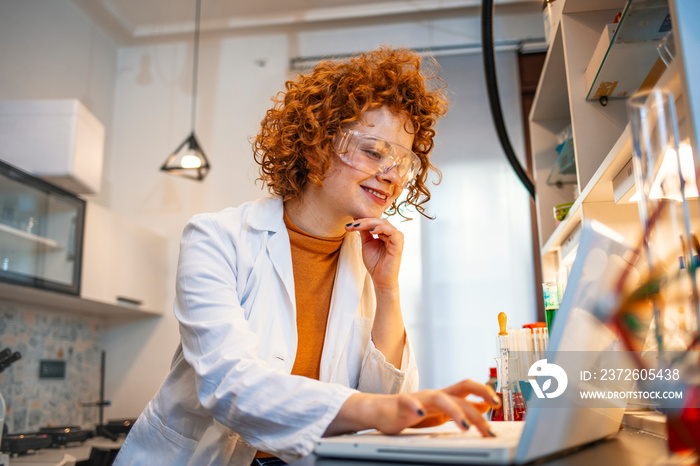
{"points": [[600, 188], [564, 229], [551, 97], [579, 6]]}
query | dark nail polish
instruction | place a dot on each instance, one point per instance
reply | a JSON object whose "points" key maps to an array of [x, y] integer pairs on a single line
{"points": [[348, 224], [421, 412], [465, 424], [356, 225], [371, 229], [496, 399], [491, 433]]}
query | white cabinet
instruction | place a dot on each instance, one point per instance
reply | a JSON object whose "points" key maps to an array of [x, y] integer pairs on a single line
{"points": [[601, 134], [124, 264], [41, 230], [60, 141]]}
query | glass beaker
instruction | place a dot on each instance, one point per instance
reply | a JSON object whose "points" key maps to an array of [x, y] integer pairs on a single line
{"points": [[664, 171]]}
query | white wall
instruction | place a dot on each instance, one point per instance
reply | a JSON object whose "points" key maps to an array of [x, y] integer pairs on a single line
{"points": [[49, 49], [142, 95], [477, 252]]}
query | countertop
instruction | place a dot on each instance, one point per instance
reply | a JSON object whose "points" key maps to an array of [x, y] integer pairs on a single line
{"points": [[65, 455], [629, 447]]}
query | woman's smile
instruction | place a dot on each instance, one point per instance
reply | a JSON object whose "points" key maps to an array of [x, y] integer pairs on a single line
{"points": [[377, 196]]}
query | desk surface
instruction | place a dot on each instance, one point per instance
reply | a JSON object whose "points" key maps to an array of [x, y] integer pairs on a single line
{"points": [[629, 447]]}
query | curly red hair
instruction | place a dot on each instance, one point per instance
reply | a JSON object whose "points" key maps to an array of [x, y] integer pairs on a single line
{"points": [[295, 142]]}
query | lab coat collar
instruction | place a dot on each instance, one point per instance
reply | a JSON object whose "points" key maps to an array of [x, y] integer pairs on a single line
{"points": [[267, 214]]}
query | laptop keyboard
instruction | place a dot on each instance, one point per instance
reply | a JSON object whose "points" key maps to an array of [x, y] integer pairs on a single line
{"points": [[506, 433]]}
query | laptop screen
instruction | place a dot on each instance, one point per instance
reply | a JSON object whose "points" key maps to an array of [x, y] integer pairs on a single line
{"points": [[579, 338]]}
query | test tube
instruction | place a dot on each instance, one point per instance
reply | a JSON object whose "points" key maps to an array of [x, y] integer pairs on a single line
{"points": [[504, 377], [504, 383]]}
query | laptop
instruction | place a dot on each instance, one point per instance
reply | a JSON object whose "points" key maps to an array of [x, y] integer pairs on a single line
{"points": [[589, 298]]}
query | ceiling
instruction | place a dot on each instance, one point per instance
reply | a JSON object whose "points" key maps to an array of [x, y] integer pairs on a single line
{"points": [[134, 21]]}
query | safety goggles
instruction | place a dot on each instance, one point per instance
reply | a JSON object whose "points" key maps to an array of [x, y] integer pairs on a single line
{"points": [[373, 155]]}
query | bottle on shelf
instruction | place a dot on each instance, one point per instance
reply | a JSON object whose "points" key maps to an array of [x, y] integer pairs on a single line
{"points": [[551, 303]]}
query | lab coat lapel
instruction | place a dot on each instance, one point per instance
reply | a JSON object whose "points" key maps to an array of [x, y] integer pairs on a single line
{"points": [[347, 292], [268, 215], [280, 254]]}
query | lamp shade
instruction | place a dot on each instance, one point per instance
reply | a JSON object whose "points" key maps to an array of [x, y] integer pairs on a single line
{"points": [[188, 160]]}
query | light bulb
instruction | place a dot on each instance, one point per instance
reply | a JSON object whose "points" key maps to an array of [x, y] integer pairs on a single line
{"points": [[190, 161]]}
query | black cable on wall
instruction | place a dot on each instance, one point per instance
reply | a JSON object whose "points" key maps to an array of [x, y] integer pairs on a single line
{"points": [[487, 9]]}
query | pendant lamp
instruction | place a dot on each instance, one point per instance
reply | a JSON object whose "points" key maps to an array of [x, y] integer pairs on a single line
{"points": [[188, 160]]}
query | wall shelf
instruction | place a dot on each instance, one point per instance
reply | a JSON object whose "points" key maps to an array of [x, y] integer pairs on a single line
{"points": [[599, 189], [24, 241], [113, 314]]}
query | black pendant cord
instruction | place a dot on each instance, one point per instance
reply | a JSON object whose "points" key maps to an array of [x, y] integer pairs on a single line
{"points": [[494, 98], [195, 65]]}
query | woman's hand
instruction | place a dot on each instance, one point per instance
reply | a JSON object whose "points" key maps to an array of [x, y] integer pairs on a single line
{"points": [[391, 414], [382, 245]]}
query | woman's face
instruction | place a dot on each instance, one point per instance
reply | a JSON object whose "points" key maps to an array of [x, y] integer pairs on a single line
{"points": [[350, 192]]}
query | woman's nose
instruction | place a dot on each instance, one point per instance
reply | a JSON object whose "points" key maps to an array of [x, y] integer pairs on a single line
{"points": [[390, 175]]}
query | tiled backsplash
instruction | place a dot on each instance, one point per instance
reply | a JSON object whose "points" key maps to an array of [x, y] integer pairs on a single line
{"points": [[32, 402]]}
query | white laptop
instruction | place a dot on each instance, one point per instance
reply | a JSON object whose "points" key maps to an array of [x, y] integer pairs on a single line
{"points": [[546, 431]]}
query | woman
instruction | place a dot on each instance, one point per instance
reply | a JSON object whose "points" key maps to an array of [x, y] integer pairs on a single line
{"points": [[289, 311]]}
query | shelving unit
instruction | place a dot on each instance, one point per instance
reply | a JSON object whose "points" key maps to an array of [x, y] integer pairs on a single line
{"points": [[602, 137], [60, 252], [626, 56], [113, 285], [40, 233]]}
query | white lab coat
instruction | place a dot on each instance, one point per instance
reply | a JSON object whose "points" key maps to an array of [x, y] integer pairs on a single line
{"points": [[229, 391]]}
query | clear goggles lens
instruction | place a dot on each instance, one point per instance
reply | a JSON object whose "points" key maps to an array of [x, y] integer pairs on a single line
{"points": [[374, 155]]}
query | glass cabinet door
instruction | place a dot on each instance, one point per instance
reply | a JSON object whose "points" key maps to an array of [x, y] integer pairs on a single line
{"points": [[41, 232]]}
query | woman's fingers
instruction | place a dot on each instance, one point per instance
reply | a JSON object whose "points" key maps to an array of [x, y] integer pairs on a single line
{"points": [[382, 246], [469, 387], [481, 406], [375, 226], [451, 403], [396, 412], [441, 418], [434, 420], [453, 407], [475, 417], [474, 410], [391, 414]]}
